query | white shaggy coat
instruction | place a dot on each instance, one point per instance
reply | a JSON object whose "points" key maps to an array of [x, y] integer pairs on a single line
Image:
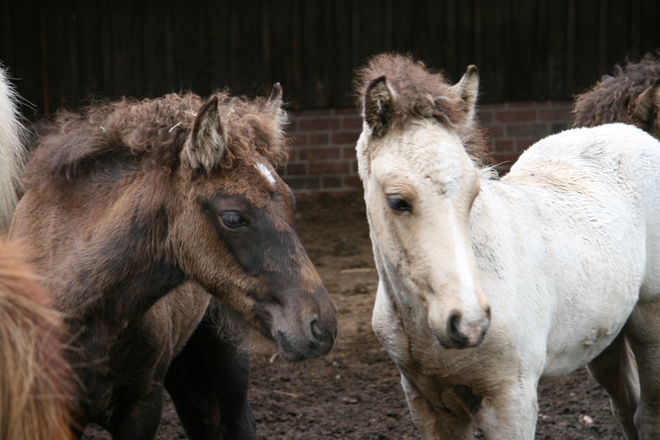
{"points": [[567, 253]]}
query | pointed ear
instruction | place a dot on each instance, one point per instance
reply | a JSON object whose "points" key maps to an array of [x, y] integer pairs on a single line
{"points": [[207, 140], [379, 101], [274, 106], [467, 89], [647, 105]]}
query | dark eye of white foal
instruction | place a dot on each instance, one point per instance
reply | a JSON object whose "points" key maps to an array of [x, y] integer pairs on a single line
{"points": [[233, 220], [398, 204]]}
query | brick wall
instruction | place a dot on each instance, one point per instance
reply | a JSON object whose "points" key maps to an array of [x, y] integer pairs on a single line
{"points": [[323, 156]]}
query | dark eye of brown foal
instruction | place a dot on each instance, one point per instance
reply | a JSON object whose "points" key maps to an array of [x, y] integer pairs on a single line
{"points": [[233, 219]]}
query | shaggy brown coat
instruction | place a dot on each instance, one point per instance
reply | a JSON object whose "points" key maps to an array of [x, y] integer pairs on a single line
{"points": [[631, 96], [153, 129]]}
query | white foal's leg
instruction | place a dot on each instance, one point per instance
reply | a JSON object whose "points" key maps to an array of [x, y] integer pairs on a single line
{"points": [[616, 371], [643, 333], [454, 424], [511, 415]]}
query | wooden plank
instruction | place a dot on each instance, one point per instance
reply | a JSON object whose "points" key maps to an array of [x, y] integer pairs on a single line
{"points": [[22, 53], [219, 41], [430, 39], [281, 47], [524, 50], [618, 28], [603, 31], [541, 52], [635, 28], [464, 38], [342, 65], [649, 30], [451, 35], [586, 46], [89, 42], [494, 64], [570, 48], [557, 49], [314, 90], [266, 54]]}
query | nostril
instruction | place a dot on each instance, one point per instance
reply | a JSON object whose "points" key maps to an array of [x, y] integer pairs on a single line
{"points": [[317, 333], [453, 325]]}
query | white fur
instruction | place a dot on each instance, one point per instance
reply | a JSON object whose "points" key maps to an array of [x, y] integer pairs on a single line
{"points": [[12, 153], [263, 169], [565, 248]]}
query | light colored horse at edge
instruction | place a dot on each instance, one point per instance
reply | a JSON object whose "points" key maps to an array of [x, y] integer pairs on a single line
{"points": [[487, 285]]}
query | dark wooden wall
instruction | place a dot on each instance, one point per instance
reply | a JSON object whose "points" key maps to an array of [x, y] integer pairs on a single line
{"points": [[61, 51]]}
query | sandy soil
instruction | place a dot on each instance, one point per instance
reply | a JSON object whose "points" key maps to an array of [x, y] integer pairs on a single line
{"points": [[354, 392]]}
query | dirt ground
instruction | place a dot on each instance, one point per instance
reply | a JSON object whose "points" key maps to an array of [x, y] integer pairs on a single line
{"points": [[354, 392]]}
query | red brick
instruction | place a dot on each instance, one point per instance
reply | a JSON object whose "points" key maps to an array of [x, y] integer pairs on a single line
{"points": [[510, 158], [354, 123], [352, 182], [555, 114], [296, 168], [319, 153], [328, 168], [536, 131], [331, 182], [319, 139], [313, 113], [494, 132], [318, 124], [293, 154], [503, 145], [521, 104], [299, 139], [345, 138], [303, 183], [485, 116], [523, 144], [347, 111], [349, 153], [493, 106], [505, 116]]}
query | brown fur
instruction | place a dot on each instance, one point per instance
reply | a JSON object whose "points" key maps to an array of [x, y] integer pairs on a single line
{"points": [[421, 92], [615, 99], [154, 129], [35, 390], [126, 218]]}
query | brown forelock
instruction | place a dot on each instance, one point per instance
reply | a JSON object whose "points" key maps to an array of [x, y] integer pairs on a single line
{"points": [[421, 92], [36, 388], [612, 98], [153, 130]]}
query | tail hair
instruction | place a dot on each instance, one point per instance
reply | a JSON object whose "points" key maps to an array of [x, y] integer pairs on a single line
{"points": [[36, 383]]}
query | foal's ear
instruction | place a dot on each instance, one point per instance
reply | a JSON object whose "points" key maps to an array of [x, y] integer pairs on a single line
{"points": [[379, 101], [647, 105], [274, 105], [467, 90], [207, 140]]}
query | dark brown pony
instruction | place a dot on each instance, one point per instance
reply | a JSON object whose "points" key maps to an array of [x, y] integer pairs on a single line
{"points": [[133, 212], [631, 96], [36, 391]]}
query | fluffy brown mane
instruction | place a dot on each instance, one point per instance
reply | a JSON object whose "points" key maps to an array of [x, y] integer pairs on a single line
{"points": [[35, 380], [421, 93], [152, 131], [612, 99]]}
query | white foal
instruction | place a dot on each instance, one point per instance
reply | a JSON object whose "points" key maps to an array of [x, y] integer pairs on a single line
{"points": [[565, 251]]}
